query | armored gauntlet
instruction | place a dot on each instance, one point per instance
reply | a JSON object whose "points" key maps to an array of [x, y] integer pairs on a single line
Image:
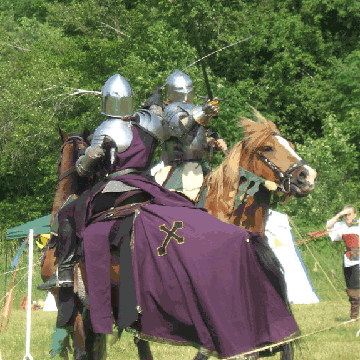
{"points": [[86, 163], [203, 114]]}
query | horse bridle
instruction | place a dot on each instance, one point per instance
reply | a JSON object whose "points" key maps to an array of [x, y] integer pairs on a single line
{"points": [[285, 177], [72, 138]]}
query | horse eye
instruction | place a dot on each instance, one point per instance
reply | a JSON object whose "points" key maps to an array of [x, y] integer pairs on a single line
{"points": [[267, 149]]}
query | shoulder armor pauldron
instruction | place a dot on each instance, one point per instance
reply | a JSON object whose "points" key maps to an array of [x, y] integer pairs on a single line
{"points": [[118, 130], [151, 123]]}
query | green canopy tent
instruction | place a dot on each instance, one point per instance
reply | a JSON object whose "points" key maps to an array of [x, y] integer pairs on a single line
{"points": [[40, 226]]}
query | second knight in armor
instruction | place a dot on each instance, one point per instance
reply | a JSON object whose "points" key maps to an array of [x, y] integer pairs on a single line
{"points": [[189, 138]]}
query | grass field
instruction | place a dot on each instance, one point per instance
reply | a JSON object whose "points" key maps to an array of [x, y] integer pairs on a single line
{"points": [[338, 343]]}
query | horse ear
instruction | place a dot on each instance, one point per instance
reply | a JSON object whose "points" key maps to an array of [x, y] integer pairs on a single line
{"points": [[259, 117], [292, 145], [86, 135], [64, 136]]}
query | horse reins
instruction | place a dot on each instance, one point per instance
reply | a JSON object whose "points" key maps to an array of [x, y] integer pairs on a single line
{"points": [[72, 169], [285, 177]]}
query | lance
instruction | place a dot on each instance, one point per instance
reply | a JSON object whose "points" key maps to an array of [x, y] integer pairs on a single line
{"points": [[216, 51]]}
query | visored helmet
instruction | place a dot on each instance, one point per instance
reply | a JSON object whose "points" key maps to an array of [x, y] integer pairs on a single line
{"points": [[117, 97], [179, 87]]}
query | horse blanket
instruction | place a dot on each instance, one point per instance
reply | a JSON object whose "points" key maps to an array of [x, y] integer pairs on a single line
{"points": [[197, 281]]}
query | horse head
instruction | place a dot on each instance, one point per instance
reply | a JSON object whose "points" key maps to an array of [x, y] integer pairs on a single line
{"points": [[238, 190], [269, 155], [68, 180]]}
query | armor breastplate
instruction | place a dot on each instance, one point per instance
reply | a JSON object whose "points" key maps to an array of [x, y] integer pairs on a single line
{"points": [[178, 119], [118, 130], [186, 148], [151, 123], [196, 149]]}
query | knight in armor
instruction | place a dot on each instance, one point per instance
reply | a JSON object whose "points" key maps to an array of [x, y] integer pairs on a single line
{"points": [[348, 231], [114, 135], [190, 138]]}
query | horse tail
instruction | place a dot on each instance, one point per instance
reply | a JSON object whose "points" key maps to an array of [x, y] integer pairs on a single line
{"points": [[270, 265]]}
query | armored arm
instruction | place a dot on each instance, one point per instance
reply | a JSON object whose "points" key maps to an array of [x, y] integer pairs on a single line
{"points": [[203, 114], [154, 99], [182, 117], [85, 165]]}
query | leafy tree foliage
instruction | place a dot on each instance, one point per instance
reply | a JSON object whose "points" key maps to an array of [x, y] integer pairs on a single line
{"points": [[300, 69]]}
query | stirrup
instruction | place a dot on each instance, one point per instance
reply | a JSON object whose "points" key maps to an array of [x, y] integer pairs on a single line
{"points": [[66, 279]]}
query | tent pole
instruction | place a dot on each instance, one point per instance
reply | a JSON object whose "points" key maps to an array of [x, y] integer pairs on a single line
{"points": [[28, 311]]}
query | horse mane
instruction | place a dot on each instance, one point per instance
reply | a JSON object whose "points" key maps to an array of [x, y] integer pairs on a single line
{"points": [[223, 181]]}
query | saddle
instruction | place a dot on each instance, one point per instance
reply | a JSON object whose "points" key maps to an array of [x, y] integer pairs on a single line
{"points": [[126, 204]]}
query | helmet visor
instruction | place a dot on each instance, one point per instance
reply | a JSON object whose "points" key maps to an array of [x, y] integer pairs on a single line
{"points": [[118, 107], [181, 94]]}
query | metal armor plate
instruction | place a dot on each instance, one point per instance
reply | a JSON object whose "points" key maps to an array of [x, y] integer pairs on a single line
{"points": [[196, 149], [152, 123], [177, 118], [118, 130]]}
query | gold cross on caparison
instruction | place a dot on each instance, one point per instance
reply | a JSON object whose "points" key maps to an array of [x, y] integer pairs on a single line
{"points": [[170, 234]]}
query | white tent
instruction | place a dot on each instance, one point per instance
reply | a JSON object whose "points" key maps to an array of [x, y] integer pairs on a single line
{"points": [[281, 240], [50, 303]]}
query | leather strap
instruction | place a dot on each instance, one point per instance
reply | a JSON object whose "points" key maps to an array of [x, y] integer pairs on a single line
{"points": [[123, 172]]}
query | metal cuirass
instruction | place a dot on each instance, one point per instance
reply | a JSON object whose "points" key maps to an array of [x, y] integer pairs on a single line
{"points": [[118, 130], [188, 138], [178, 119]]}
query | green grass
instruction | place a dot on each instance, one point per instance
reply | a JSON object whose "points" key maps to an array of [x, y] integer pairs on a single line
{"points": [[338, 343]]}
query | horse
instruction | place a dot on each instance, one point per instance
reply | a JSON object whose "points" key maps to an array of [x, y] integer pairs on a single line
{"points": [[290, 174], [69, 183], [261, 166], [86, 344]]}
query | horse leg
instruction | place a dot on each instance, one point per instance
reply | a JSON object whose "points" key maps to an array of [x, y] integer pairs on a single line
{"points": [[143, 346], [79, 338], [287, 352], [48, 268], [95, 344], [143, 349], [49, 264]]}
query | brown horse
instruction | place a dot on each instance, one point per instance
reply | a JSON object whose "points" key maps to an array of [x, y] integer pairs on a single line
{"points": [[69, 183], [263, 165]]}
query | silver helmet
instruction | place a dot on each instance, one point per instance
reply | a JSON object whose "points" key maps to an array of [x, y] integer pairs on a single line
{"points": [[179, 87], [117, 97]]}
